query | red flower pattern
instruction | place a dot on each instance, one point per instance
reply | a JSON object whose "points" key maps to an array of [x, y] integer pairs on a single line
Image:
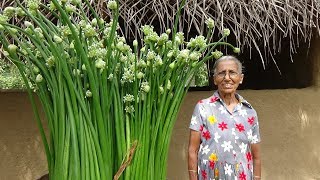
{"points": [[242, 176], [240, 127], [211, 164], [251, 120], [204, 174], [223, 126], [201, 101], [213, 99], [201, 128], [206, 135], [249, 156]]}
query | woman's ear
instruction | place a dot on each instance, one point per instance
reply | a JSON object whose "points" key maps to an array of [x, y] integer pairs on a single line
{"points": [[242, 76], [214, 80]]}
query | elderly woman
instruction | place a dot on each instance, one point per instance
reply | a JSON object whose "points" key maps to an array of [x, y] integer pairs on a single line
{"points": [[224, 130]]}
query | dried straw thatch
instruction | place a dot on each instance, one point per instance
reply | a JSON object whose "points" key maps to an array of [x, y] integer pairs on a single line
{"points": [[253, 22]]}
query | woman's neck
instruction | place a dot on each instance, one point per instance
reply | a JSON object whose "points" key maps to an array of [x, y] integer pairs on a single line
{"points": [[229, 99]]}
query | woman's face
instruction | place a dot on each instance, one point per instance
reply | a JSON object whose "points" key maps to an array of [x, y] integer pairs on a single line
{"points": [[227, 77]]}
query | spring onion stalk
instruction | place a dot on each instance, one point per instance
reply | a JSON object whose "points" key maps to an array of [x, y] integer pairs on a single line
{"points": [[110, 109]]}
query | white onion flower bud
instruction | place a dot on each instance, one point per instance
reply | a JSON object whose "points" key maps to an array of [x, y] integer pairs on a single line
{"points": [[39, 78], [100, 64], [9, 11], [112, 5], [94, 22], [194, 56], [140, 75], [210, 23], [88, 93], [147, 30], [12, 48], [236, 50], [36, 69], [57, 39], [28, 24], [217, 54], [3, 18], [135, 43], [172, 65], [128, 98], [145, 87], [83, 67], [168, 31], [226, 32], [161, 90], [5, 53], [169, 84], [129, 109]]}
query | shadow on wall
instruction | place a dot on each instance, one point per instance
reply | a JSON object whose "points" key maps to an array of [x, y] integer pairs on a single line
{"points": [[289, 124]]}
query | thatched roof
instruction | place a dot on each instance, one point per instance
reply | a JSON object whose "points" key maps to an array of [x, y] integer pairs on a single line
{"points": [[253, 22]]}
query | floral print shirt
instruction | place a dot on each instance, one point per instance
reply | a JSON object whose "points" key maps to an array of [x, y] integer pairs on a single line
{"points": [[226, 138]]}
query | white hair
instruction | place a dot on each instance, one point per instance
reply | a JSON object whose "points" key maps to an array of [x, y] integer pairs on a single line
{"points": [[224, 58]]}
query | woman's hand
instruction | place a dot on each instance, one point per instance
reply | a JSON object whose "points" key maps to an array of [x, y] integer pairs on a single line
{"points": [[194, 144], [255, 149]]}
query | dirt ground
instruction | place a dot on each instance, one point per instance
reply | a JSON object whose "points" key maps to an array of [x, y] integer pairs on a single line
{"points": [[289, 124]]}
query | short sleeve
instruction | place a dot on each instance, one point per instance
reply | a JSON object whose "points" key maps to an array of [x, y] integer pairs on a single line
{"points": [[196, 120], [255, 131]]}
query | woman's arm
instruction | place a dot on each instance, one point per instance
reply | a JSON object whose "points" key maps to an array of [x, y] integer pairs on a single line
{"points": [[194, 144], [255, 149]]}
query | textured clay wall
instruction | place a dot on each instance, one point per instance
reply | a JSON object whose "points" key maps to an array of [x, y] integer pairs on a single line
{"points": [[289, 121]]}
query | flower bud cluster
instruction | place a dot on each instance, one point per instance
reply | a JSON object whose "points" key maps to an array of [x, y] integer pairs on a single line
{"points": [[197, 42], [128, 98], [145, 87]]}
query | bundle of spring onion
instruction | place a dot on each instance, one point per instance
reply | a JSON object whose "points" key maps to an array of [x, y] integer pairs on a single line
{"points": [[110, 108]]}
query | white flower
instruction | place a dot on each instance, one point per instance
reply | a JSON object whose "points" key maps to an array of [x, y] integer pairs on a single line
{"points": [[222, 109], [204, 161], [243, 147], [216, 137], [242, 112], [205, 150], [202, 111], [129, 109], [194, 120], [128, 98], [110, 77], [227, 169], [50, 61], [227, 146]]}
